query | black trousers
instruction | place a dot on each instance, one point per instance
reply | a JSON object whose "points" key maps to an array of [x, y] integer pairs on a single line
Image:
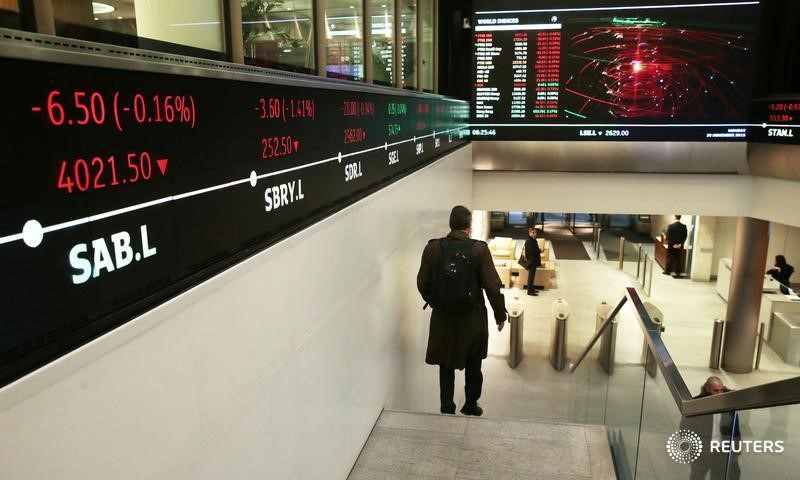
{"points": [[531, 278], [473, 382], [674, 261]]}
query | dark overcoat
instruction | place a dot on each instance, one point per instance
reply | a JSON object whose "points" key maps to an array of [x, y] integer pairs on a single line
{"points": [[676, 233], [533, 252], [455, 337]]}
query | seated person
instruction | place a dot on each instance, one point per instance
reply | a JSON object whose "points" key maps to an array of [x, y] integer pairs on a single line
{"points": [[781, 273]]}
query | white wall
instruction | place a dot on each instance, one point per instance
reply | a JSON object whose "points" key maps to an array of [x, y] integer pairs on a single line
{"points": [[703, 247], [724, 239], [275, 369]]}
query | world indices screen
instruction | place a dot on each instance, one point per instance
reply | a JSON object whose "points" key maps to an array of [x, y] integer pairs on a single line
{"points": [[573, 70]]}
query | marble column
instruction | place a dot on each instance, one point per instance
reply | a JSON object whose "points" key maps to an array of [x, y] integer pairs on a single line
{"points": [[744, 299]]}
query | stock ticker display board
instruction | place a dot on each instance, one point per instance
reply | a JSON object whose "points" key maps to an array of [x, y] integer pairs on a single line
{"points": [[776, 120], [124, 187], [605, 70]]}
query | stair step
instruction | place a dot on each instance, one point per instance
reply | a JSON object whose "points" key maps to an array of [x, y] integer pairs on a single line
{"points": [[423, 446]]}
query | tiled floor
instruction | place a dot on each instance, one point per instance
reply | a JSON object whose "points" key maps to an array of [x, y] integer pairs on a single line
{"points": [[535, 390], [406, 446]]}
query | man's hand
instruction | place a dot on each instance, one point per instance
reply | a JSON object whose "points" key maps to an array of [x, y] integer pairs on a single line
{"points": [[500, 320]]}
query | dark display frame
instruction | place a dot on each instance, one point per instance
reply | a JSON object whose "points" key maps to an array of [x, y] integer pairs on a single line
{"points": [[509, 118], [88, 243]]}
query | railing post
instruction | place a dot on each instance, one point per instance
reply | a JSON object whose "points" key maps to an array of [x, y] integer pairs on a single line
{"points": [[597, 250], [760, 341], [558, 344], [644, 272], [638, 260], [716, 345], [621, 251]]}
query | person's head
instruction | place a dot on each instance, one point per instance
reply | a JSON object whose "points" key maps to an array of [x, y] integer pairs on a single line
{"points": [[460, 219], [678, 218], [713, 386], [780, 260], [532, 232]]}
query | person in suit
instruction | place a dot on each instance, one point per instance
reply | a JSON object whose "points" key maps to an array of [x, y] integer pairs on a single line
{"points": [[534, 255], [781, 272], [718, 427], [676, 236], [459, 340]]}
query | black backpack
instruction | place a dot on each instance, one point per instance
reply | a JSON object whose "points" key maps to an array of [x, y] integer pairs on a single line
{"points": [[455, 280]]}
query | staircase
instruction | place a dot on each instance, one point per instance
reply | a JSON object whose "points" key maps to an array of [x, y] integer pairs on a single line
{"points": [[420, 446]]}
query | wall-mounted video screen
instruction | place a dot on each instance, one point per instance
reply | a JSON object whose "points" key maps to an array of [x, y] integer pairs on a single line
{"points": [[126, 183], [605, 70]]}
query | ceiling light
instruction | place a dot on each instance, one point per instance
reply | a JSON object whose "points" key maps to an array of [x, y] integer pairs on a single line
{"points": [[98, 8], [119, 18]]}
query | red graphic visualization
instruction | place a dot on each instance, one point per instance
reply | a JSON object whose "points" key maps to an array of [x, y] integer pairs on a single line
{"points": [[643, 68], [284, 109], [79, 108], [99, 172]]}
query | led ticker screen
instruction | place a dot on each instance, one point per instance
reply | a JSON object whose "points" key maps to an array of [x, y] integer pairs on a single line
{"points": [[124, 187], [776, 121], [572, 70]]}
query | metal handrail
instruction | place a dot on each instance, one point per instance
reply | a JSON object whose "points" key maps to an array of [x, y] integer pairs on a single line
{"points": [[773, 394]]}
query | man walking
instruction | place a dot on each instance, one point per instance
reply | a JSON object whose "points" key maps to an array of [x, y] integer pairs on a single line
{"points": [[453, 274]]}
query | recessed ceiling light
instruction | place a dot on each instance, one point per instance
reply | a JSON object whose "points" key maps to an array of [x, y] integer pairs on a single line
{"points": [[119, 18], [96, 18], [98, 8], [352, 6]]}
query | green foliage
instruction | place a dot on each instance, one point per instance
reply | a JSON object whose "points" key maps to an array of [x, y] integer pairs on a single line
{"points": [[256, 11]]}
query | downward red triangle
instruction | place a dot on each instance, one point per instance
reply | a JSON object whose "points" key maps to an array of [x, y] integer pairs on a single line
{"points": [[162, 165], [296, 143]]}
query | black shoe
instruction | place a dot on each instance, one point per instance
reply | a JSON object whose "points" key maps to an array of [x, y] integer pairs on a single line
{"points": [[665, 273], [533, 293], [448, 409], [472, 409]]}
